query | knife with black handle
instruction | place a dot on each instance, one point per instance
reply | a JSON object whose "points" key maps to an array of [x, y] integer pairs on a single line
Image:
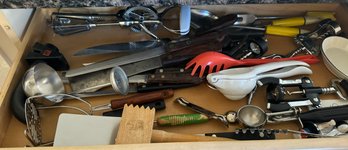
{"points": [[245, 134], [338, 113]]}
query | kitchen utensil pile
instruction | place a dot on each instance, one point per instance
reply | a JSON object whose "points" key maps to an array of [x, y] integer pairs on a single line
{"points": [[230, 54]]}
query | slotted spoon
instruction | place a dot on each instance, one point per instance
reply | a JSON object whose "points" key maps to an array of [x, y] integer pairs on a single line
{"points": [[218, 61]]}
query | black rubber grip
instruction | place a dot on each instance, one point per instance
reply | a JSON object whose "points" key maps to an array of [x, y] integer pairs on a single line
{"points": [[338, 113], [278, 107], [17, 103], [268, 80], [344, 85]]}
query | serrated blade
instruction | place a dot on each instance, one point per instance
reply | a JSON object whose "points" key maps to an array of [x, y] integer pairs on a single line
{"points": [[120, 47]]}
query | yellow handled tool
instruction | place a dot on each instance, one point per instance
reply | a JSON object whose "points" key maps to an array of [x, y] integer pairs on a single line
{"points": [[322, 14], [284, 31], [277, 30], [296, 21], [310, 18]]}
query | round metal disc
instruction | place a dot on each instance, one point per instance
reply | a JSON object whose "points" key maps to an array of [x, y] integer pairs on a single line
{"points": [[119, 80], [251, 116]]}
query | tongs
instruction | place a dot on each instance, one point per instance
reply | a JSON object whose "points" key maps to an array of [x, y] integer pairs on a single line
{"points": [[236, 83]]}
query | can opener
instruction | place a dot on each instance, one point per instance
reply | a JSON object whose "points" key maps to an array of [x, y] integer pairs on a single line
{"points": [[244, 79]]}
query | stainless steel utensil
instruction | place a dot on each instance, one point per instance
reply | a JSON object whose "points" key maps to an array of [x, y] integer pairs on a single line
{"points": [[94, 81], [247, 19], [41, 79], [251, 116]]}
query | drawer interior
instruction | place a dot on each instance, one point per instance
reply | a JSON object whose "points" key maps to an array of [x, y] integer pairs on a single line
{"points": [[202, 95]]}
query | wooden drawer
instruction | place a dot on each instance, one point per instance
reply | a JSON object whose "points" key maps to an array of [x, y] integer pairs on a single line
{"points": [[13, 50]]}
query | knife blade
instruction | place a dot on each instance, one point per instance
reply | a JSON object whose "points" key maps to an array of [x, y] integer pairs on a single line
{"points": [[144, 55], [120, 47]]}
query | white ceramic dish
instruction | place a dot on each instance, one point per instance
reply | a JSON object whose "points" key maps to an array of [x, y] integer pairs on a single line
{"points": [[335, 55]]}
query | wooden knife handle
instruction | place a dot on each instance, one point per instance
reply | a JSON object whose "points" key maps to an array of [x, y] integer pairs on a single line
{"points": [[142, 98], [159, 136]]}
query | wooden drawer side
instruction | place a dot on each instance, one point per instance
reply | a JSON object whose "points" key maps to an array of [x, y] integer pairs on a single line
{"points": [[17, 66]]}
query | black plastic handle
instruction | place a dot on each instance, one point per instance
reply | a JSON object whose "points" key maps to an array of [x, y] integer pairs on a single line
{"points": [[338, 113], [17, 103], [162, 87], [222, 22], [268, 80], [278, 107], [344, 85]]}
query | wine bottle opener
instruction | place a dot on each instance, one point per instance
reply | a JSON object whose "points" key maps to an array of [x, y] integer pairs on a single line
{"points": [[277, 92]]}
